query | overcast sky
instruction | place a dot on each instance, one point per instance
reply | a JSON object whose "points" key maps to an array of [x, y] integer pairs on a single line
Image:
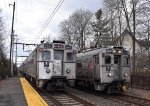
{"points": [[30, 16]]}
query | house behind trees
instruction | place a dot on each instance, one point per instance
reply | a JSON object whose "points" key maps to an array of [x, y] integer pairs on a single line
{"points": [[142, 52]]}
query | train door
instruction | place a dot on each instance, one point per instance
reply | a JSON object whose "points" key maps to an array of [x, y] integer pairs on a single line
{"points": [[96, 67], [117, 66], [58, 59]]}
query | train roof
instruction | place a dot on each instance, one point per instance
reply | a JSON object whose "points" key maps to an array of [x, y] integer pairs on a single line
{"points": [[99, 50], [44, 45], [92, 51]]}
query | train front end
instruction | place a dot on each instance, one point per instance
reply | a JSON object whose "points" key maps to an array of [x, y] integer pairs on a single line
{"points": [[53, 71], [118, 69]]}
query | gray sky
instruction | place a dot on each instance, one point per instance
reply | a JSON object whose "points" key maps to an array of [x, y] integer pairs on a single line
{"points": [[30, 16]]}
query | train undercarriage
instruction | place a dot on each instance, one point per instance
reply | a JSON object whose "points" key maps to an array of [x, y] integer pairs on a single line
{"points": [[116, 87]]}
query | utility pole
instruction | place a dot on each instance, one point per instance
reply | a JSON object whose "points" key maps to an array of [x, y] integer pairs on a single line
{"points": [[133, 35], [12, 41], [148, 39], [16, 53], [133, 41]]}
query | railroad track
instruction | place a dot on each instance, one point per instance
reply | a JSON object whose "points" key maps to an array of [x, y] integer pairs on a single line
{"points": [[134, 100], [60, 98], [121, 97]]}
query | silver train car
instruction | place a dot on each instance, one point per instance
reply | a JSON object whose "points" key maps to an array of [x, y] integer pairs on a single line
{"points": [[107, 69], [51, 65]]}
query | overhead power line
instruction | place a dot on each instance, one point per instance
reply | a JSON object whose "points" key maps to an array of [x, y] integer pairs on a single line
{"points": [[48, 20]]}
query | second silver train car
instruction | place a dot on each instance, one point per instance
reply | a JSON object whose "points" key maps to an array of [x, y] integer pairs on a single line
{"points": [[105, 68], [51, 64]]}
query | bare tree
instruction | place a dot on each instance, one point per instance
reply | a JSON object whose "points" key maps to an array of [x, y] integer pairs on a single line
{"points": [[67, 33], [125, 9], [132, 12], [1, 36], [47, 38], [4, 62], [77, 28]]}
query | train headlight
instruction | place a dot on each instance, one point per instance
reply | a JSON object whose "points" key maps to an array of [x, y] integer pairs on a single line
{"points": [[110, 74], [115, 51], [125, 75], [48, 70], [119, 51], [68, 71]]}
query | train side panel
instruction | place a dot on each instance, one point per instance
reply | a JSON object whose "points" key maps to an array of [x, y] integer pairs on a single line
{"points": [[29, 66], [85, 68]]}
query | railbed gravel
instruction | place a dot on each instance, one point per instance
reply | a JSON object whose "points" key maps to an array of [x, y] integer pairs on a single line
{"points": [[138, 93], [97, 100]]}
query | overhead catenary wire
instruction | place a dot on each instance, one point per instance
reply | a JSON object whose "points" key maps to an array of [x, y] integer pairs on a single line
{"points": [[48, 20]]}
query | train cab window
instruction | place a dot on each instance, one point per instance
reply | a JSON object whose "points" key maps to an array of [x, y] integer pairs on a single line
{"points": [[116, 60], [58, 55], [69, 56], [96, 59], [46, 55], [107, 59], [79, 65], [126, 60]]}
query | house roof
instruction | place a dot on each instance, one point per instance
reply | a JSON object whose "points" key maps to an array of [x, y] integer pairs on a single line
{"points": [[125, 32], [143, 43]]}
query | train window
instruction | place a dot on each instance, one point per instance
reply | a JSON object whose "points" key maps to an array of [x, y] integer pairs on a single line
{"points": [[115, 59], [46, 55], [79, 65], [58, 55], [126, 60], [96, 59], [107, 59], [69, 56], [48, 45]]}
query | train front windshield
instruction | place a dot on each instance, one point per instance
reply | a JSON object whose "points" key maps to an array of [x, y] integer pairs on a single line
{"points": [[46, 55], [58, 54]]}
